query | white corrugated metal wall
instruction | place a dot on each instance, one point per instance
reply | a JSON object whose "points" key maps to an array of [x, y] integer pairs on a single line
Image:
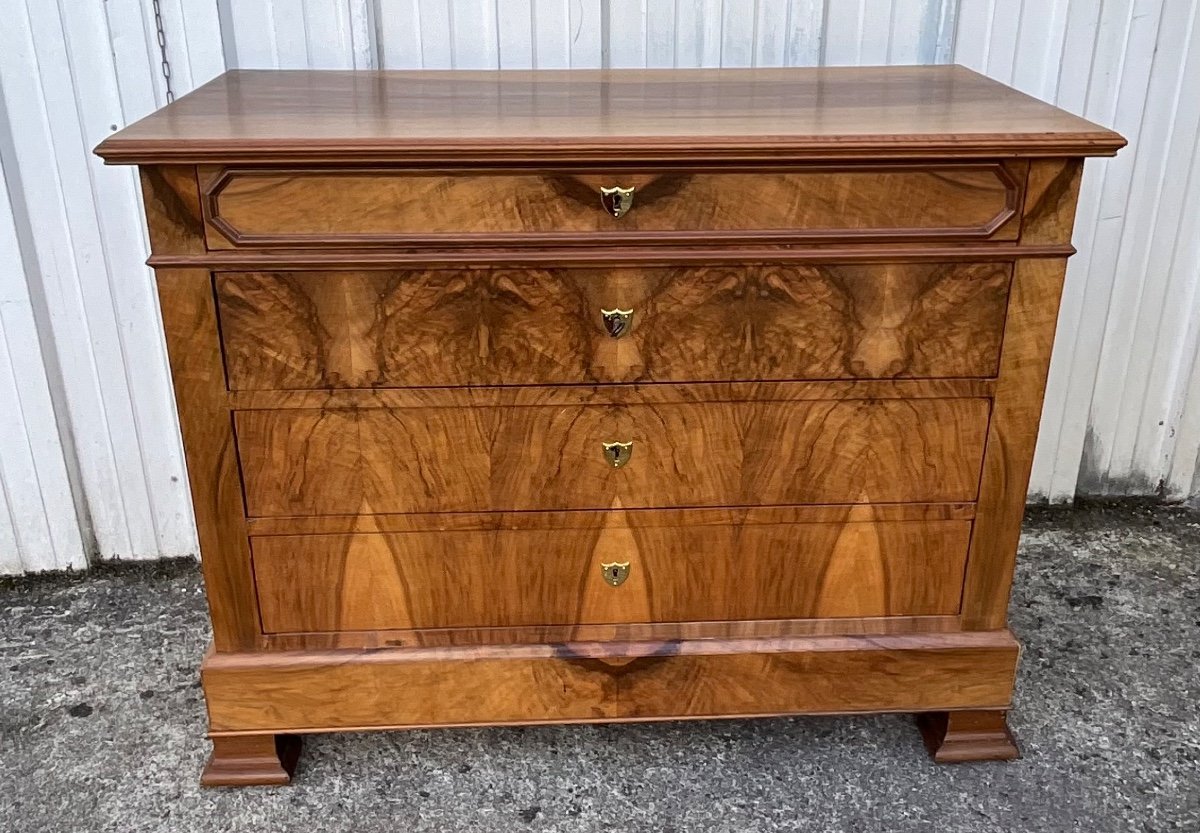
{"points": [[94, 399], [90, 462]]}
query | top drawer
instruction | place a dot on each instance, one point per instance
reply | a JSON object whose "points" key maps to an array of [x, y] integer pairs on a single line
{"points": [[356, 206]]}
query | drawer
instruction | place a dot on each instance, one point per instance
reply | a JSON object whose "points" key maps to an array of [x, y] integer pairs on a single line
{"points": [[506, 326], [558, 571], [306, 207], [478, 459]]}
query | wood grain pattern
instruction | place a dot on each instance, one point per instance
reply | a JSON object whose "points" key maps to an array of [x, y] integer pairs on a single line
{"points": [[1053, 190], [677, 573], [189, 318], [1012, 433], [173, 214], [323, 691], [724, 516], [190, 324], [654, 632], [269, 207], [570, 396], [325, 329], [252, 760], [626, 116], [302, 462], [963, 736], [513, 252]]}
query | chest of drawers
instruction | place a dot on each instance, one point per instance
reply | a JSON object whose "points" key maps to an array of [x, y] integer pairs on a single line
{"points": [[607, 396]]}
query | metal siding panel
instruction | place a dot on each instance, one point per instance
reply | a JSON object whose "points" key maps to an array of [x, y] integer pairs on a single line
{"points": [[626, 46], [698, 35], [437, 49], [906, 31], [1183, 476], [193, 30], [252, 33], [138, 396], [40, 530], [1003, 36], [586, 35], [39, 527], [552, 33], [1043, 28], [737, 33], [1130, 37], [289, 22], [944, 30], [1157, 358], [1183, 419], [399, 32], [10, 548], [517, 43], [98, 311], [1094, 38], [843, 34], [131, 30], [49, 144], [875, 31], [806, 28], [473, 33], [660, 33], [771, 33], [972, 40], [914, 31], [328, 42], [140, 81], [363, 47]]}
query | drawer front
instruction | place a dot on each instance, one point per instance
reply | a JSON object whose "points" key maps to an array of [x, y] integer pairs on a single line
{"points": [[381, 460], [675, 572], [267, 207], [503, 326]]}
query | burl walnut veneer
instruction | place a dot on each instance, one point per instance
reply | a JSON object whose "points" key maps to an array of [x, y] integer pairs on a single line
{"points": [[603, 396]]}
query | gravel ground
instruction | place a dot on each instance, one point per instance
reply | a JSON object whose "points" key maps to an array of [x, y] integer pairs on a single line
{"points": [[102, 724]]}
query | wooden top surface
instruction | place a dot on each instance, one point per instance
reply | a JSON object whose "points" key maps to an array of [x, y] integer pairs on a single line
{"points": [[603, 115]]}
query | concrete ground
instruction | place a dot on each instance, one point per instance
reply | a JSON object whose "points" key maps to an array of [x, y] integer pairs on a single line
{"points": [[102, 724]]}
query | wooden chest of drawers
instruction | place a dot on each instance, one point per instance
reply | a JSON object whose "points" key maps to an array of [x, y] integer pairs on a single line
{"points": [[603, 396]]}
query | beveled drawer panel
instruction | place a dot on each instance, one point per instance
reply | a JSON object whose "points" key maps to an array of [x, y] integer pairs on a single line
{"points": [[376, 460], [505, 326], [249, 207], [555, 573]]}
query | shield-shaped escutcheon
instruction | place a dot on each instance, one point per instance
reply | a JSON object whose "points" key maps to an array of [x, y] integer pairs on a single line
{"points": [[617, 454], [617, 200], [615, 572], [617, 321]]}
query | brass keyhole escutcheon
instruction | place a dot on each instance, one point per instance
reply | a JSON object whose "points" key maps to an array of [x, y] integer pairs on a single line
{"points": [[615, 572], [617, 322], [616, 200], [617, 454]]}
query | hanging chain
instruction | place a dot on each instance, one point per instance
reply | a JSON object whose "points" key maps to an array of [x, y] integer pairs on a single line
{"points": [[162, 50]]}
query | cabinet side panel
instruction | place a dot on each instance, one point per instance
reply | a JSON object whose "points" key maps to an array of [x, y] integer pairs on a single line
{"points": [[173, 214], [1052, 191], [193, 345]]}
